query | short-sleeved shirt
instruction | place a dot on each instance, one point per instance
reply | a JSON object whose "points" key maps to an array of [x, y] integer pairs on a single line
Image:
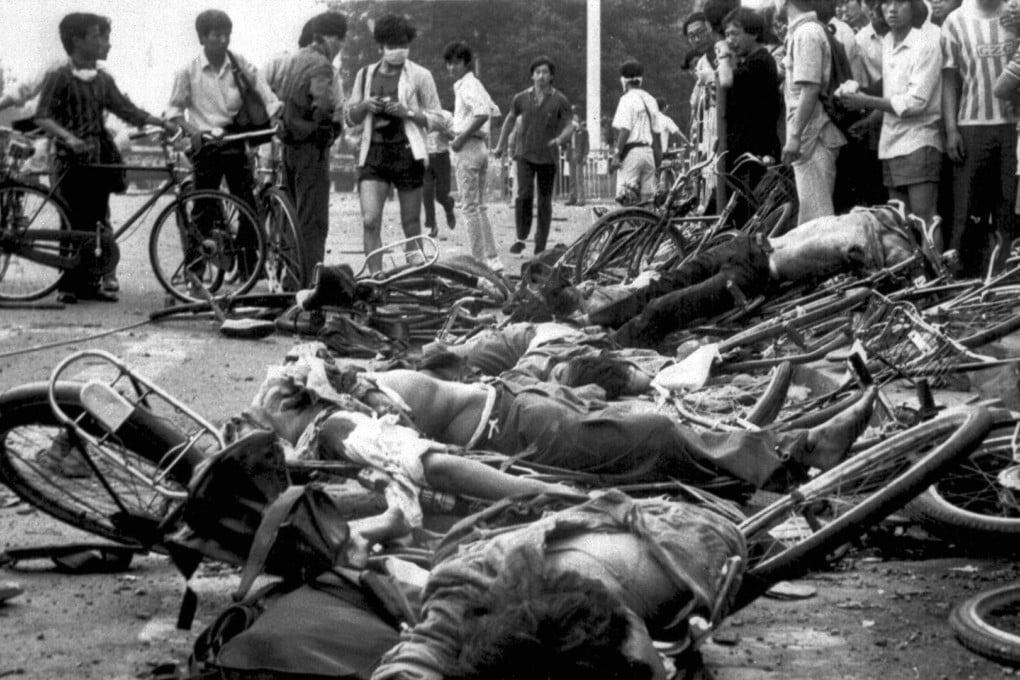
{"points": [[638, 113], [540, 122], [979, 49], [209, 95], [753, 106], [912, 82], [808, 60], [472, 100], [869, 47]]}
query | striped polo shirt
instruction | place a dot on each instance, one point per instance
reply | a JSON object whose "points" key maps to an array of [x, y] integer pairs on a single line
{"points": [[979, 49]]}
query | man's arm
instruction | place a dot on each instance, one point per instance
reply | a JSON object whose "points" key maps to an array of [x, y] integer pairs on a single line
{"points": [[476, 124], [805, 107], [567, 122], [950, 110], [504, 132], [465, 477]]}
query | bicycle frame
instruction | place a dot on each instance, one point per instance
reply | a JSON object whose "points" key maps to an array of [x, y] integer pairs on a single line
{"points": [[134, 391]]}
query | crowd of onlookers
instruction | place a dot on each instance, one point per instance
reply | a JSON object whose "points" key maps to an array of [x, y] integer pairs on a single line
{"points": [[927, 116]]}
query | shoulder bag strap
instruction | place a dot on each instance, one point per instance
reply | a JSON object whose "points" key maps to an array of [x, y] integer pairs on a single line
{"points": [[269, 528]]}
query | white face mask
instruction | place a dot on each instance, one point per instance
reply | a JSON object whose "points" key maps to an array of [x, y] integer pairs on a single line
{"points": [[395, 56], [85, 74]]}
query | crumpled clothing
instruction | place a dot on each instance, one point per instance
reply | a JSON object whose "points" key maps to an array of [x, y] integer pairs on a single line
{"points": [[382, 445], [690, 543]]}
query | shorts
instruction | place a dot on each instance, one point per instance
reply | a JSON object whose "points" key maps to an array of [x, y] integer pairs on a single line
{"points": [[394, 164], [917, 167]]}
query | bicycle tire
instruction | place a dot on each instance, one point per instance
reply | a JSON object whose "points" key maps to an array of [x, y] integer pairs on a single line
{"points": [[27, 422], [22, 279], [968, 505], [984, 319], [215, 261], [284, 259], [973, 624], [876, 482], [609, 248]]}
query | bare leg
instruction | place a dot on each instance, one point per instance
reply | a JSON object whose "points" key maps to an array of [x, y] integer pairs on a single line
{"points": [[410, 214], [922, 202], [373, 198]]}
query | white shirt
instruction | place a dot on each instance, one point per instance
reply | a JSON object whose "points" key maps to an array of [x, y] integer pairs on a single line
{"points": [[668, 127], [472, 100], [869, 47], [210, 96], [638, 113], [912, 82]]}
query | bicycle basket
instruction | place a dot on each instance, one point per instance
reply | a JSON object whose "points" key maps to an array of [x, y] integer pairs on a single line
{"points": [[111, 394], [904, 344]]}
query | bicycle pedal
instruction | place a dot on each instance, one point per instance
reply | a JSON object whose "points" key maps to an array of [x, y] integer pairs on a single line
{"points": [[106, 405]]}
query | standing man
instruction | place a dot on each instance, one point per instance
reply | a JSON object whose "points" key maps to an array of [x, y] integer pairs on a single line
{"points": [[579, 149], [812, 140], [981, 135], [72, 109], [392, 99], [309, 129], [436, 187], [472, 110], [545, 125], [637, 151], [204, 102]]}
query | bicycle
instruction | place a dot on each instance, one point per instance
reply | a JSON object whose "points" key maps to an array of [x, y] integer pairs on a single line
{"points": [[284, 260], [194, 247]]}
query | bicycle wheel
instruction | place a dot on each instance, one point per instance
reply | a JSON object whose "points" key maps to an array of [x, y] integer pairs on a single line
{"points": [[608, 251], [206, 243], [797, 531], [981, 320], [284, 262], [976, 504], [114, 500], [987, 624], [26, 210]]}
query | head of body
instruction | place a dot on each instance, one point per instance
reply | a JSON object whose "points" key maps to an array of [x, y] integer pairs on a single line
{"points": [[394, 33], [794, 8], [852, 12], [214, 27], [698, 33], [543, 71], [565, 624], [632, 73], [85, 37], [715, 13], [744, 30], [328, 31], [903, 15], [826, 10], [459, 59], [877, 20], [940, 9], [616, 376]]}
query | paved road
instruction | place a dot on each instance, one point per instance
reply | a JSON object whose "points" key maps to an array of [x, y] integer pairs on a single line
{"points": [[881, 618]]}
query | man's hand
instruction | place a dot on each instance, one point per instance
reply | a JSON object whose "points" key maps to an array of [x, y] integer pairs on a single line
{"points": [[791, 152], [722, 49], [397, 110], [498, 152], [853, 101], [374, 104], [457, 143], [954, 146], [554, 142], [615, 161]]}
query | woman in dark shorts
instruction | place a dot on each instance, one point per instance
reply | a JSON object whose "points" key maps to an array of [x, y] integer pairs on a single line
{"points": [[391, 98]]}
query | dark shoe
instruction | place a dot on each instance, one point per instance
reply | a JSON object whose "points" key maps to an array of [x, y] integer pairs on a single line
{"points": [[334, 285], [67, 297], [517, 248], [300, 321], [451, 220], [99, 295], [570, 201], [110, 283], [829, 443], [433, 231]]}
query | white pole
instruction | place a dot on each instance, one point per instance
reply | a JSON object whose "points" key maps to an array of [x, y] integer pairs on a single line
{"points": [[594, 81]]}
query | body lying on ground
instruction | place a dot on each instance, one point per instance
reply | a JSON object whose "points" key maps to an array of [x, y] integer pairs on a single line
{"points": [[865, 240]]}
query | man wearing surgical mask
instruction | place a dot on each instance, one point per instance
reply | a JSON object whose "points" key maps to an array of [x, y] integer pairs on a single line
{"points": [[391, 99]]}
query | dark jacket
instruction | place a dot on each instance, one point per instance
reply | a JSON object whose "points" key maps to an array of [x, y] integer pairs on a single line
{"points": [[306, 90]]}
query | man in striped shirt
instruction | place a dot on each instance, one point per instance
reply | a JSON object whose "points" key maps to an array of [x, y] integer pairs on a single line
{"points": [[981, 134]]}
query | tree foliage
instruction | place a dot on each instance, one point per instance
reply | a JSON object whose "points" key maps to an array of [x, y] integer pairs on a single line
{"points": [[507, 34]]}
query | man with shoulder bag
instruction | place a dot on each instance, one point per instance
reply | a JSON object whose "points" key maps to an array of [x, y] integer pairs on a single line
{"points": [[216, 94], [637, 145]]}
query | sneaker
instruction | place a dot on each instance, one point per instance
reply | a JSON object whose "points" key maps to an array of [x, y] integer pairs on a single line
{"points": [[495, 264], [517, 248]]}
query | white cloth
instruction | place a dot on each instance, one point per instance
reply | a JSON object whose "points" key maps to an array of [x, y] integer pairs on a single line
{"points": [[471, 100], [638, 113], [912, 82]]}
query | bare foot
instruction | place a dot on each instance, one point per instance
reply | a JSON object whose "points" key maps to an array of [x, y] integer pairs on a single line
{"points": [[828, 444]]}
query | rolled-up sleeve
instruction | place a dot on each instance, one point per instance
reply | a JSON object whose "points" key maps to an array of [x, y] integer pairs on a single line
{"points": [[180, 95], [923, 79]]}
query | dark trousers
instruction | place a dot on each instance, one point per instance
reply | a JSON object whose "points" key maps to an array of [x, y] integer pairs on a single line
{"points": [[211, 166], [528, 176], [436, 188], [984, 185], [696, 289], [858, 177], [306, 175], [88, 204]]}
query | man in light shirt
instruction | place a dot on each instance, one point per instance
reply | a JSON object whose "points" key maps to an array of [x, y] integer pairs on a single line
{"points": [[637, 147], [473, 108]]}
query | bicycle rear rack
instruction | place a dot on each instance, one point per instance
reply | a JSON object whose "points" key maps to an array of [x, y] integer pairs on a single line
{"points": [[399, 259], [121, 394]]}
